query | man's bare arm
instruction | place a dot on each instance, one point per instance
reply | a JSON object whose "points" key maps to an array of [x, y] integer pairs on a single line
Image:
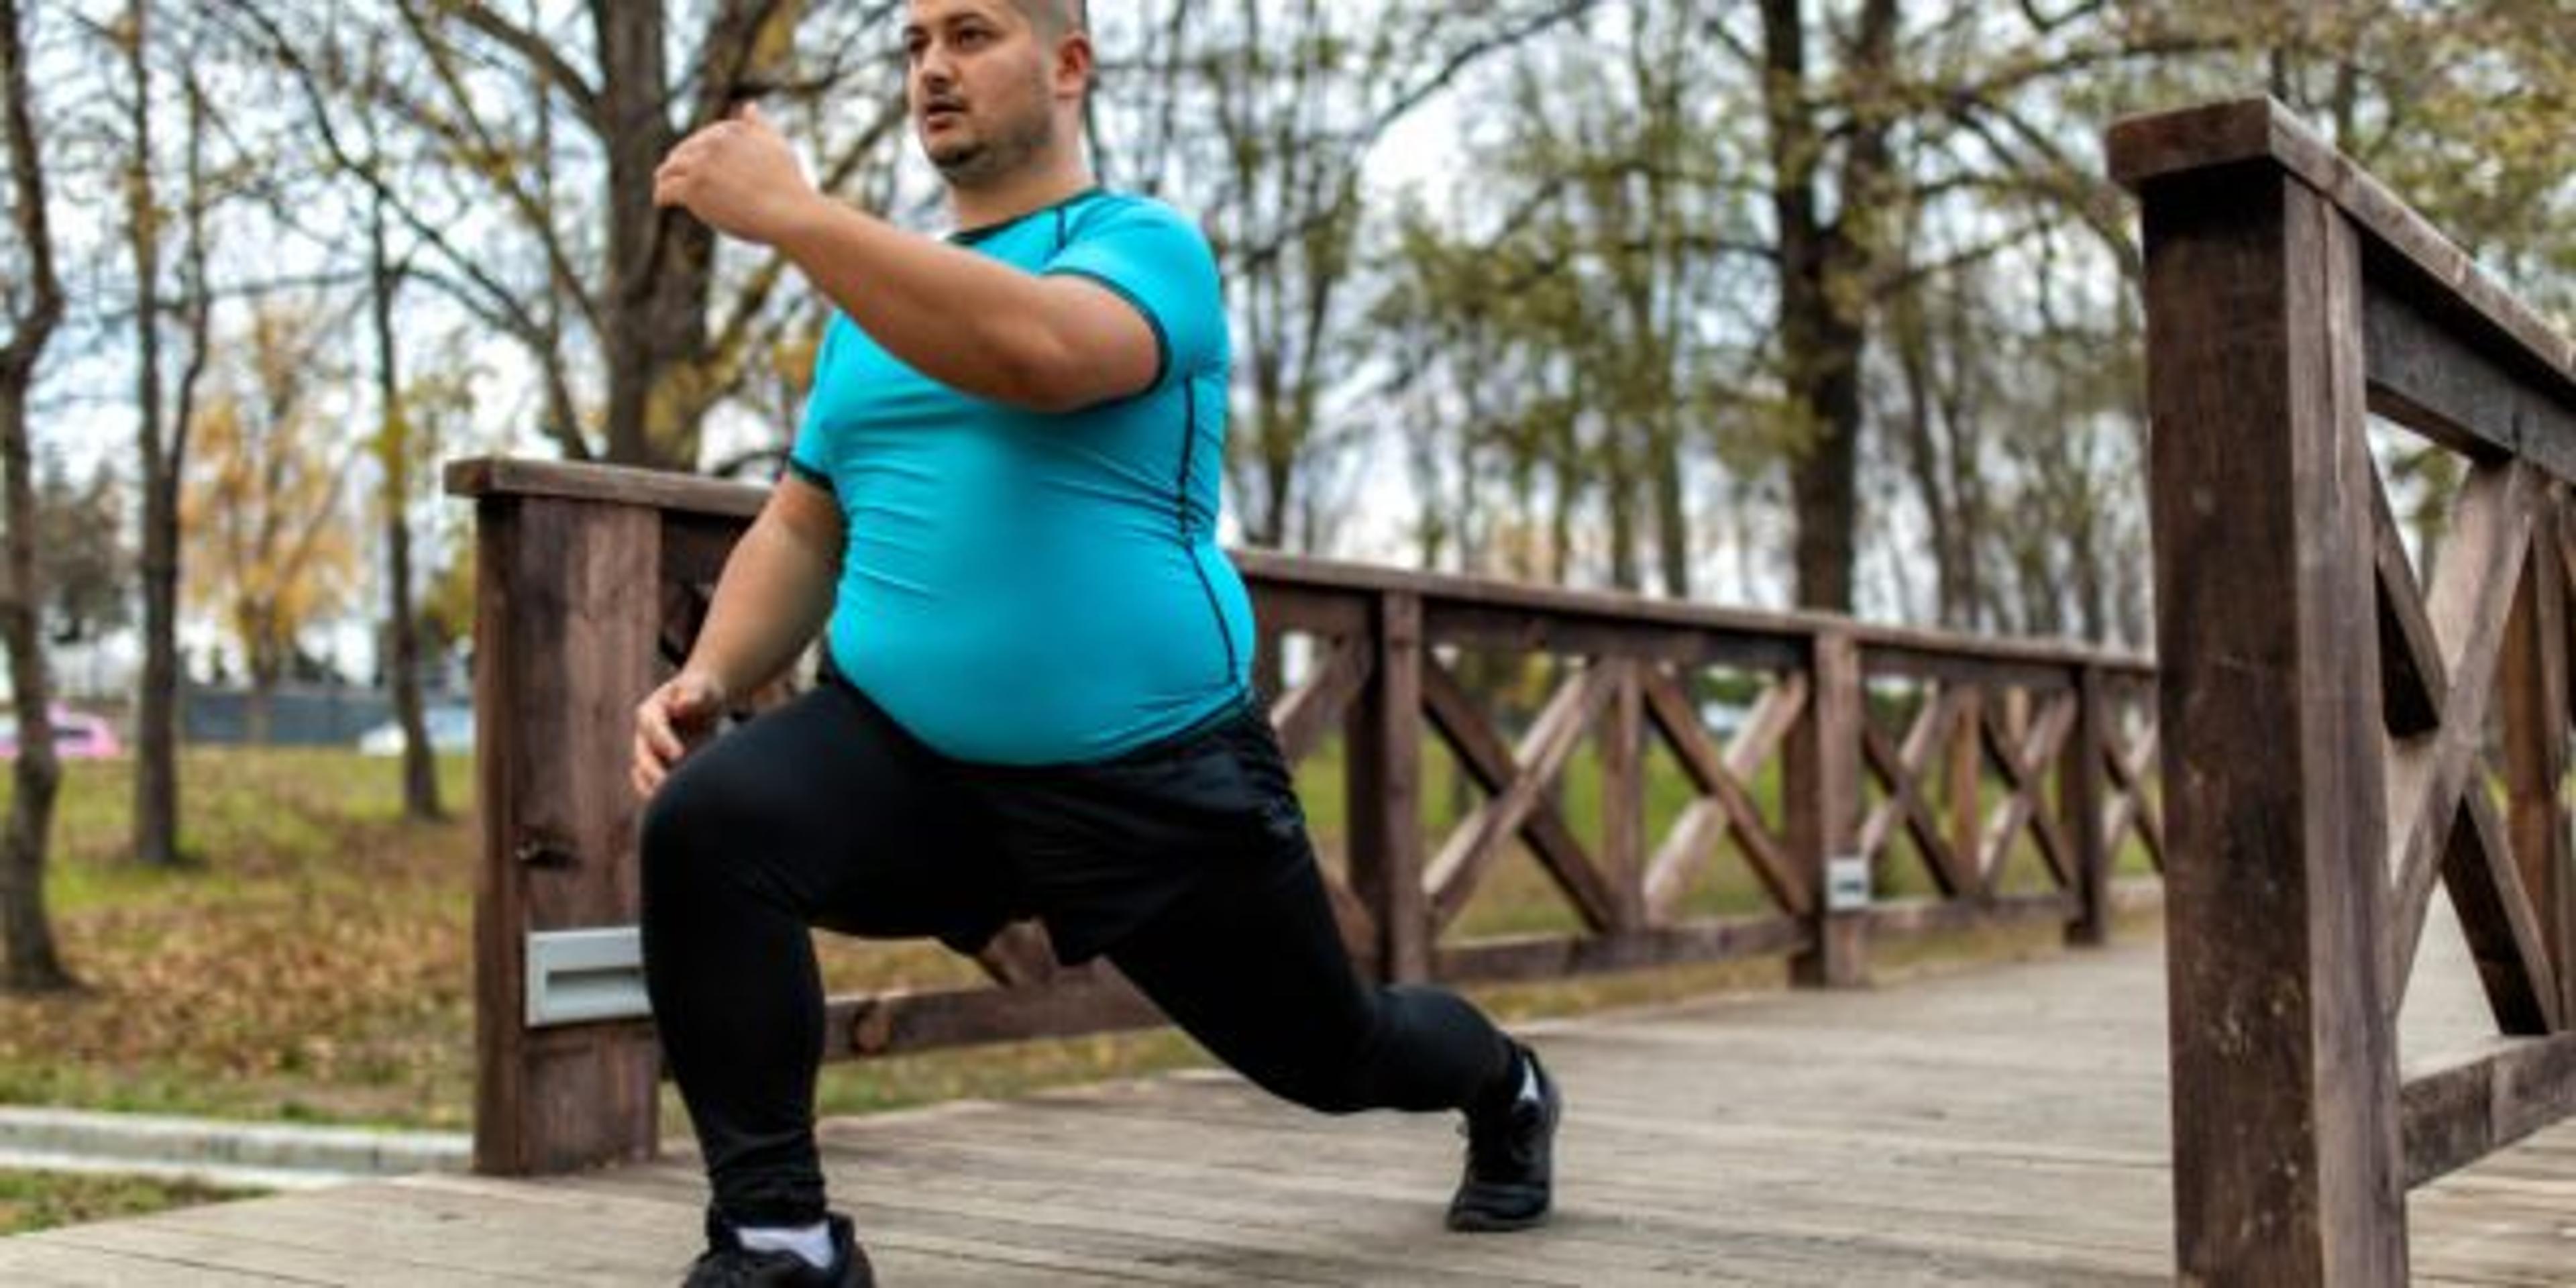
{"points": [[773, 597], [963, 319]]}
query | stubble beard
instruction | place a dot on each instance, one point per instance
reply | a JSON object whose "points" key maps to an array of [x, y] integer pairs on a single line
{"points": [[978, 162]]}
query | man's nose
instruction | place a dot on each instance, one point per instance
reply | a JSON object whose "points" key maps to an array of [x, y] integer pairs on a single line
{"points": [[935, 71]]}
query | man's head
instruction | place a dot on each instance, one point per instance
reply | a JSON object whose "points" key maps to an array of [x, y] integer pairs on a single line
{"points": [[995, 85]]}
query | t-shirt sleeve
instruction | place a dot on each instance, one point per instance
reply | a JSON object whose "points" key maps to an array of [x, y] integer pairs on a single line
{"points": [[1156, 260], [810, 458]]}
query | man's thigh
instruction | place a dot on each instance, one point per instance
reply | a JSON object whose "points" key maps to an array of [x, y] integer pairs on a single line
{"points": [[849, 820]]}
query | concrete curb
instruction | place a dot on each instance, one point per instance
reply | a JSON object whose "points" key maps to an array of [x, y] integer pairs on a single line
{"points": [[261, 1155]]}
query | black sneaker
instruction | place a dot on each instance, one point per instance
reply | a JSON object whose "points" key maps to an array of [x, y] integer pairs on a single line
{"points": [[728, 1264], [1510, 1173]]}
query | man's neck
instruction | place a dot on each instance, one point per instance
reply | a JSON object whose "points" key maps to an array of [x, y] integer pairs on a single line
{"points": [[1008, 197]]}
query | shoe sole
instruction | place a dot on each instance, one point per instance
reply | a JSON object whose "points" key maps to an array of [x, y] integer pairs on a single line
{"points": [[1481, 1224]]}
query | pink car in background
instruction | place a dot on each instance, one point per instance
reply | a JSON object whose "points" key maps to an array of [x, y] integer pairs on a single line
{"points": [[78, 735]]}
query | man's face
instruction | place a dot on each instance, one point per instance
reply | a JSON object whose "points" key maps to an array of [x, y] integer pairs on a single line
{"points": [[980, 80]]}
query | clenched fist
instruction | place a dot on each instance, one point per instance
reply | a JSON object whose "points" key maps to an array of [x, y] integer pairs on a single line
{"points": [[671, 721], [739, 176]]}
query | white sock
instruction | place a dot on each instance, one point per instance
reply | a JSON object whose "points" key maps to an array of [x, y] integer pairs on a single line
{"points": [[813, 1242]]}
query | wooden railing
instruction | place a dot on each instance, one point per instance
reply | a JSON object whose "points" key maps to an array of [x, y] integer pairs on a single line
{"points": [[2330, 723], [1879, 782]]}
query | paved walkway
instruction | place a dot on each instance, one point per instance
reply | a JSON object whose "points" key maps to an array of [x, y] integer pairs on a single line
{"points": [[2003, 1125]]}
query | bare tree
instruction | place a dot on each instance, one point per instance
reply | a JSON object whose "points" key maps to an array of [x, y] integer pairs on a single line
{"points": [[35, 311], [394, 452], [636, 283], [162, 449]]}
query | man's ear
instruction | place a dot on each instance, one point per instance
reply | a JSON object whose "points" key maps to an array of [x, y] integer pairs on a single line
{"points": [[1073, 62]]}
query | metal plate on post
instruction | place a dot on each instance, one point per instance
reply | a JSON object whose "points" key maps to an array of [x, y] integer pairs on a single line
{"points": [[1847, 883], [581, 976]]}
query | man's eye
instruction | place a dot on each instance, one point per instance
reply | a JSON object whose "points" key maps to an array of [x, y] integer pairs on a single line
{"points": [[971, 37]]}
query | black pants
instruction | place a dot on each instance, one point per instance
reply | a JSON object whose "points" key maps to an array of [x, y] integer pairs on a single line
{"points": [[1185, 862]]}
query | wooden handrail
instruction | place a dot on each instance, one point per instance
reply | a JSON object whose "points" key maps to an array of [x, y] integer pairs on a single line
{"points": [[594, 580]]}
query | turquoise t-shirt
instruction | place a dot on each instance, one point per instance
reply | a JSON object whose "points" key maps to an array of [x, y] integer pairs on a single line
{"points": [[1023, 588]]}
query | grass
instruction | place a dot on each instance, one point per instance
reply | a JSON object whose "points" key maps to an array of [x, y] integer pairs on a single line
{"points": [[31, 1201]]}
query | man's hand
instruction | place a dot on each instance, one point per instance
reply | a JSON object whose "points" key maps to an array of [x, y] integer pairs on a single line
{"points": [[738, 175], [675, 718]]}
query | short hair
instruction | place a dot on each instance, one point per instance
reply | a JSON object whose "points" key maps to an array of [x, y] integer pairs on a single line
{"points": [[1053, 18]]}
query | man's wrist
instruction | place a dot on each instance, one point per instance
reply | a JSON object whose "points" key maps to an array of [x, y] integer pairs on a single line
{"points": [[806, 223], [714, 680]]}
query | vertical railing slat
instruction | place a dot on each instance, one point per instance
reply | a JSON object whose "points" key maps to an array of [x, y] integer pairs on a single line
{"points": [[1384, 775]]}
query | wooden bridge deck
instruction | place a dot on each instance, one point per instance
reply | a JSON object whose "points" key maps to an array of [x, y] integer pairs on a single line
{"points": [[2004, 1125]]}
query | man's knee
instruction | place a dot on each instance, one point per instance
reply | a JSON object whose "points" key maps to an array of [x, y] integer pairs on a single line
{"points": [[1333, 1069], [689, 814]]}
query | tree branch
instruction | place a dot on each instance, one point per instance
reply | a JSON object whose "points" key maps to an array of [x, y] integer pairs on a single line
{"points": [[539, 53]]}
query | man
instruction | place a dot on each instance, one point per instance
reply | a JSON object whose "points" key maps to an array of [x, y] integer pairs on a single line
{"points": [[1001, 511]]}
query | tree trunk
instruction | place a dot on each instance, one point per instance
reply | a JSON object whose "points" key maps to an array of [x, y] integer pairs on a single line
{"points": [[33, 963], [156, 779], [26, 932], [402, 629], [1823, 270], [660, 261]]}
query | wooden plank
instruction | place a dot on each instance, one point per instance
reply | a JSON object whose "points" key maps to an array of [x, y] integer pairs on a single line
{"points": [[619, 485], [2496, 918], [1515, 628], [2476, 1104], [2128, 806], [1483, 756], [1622, 743], [1731, 808], [1822, 798], [1479, 839], [1561, 956], [2432, 378], [2038, 675], [1903, 769], [2284, 1074], [1491, 613], [567, 648], [2533, 705], [1089, 999], [2019, 761], [2079, 801], [2472, 601], [1382, 773], [2172, 149], [1303, 717], [1964, 779], [696, 546], [1281, 605], [1900, 917], [2411, 680]]}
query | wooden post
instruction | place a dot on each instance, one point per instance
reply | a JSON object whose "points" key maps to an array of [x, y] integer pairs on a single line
{"points": [[2079, 804], [2287, 1164], [2533, 704], [1823, 786], [1384, 775], [1966, 783], [564, 637], [1623, 795]]}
